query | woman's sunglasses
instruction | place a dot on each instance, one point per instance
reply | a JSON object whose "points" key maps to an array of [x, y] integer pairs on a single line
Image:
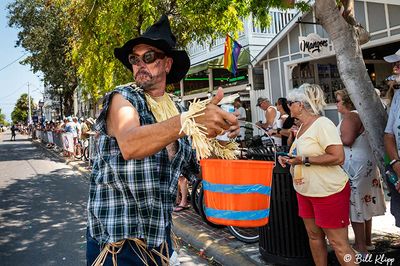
{"points": [[148, 57], [289, 103]]}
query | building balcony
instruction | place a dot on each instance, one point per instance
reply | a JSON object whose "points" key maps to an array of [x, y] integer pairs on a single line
{"points": [[252, 38]]}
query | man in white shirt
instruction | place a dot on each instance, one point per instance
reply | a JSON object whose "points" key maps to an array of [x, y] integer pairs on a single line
{"points": [[271, 113]]}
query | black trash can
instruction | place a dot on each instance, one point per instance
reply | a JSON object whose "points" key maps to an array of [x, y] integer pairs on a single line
{"points": [[284, 239]]}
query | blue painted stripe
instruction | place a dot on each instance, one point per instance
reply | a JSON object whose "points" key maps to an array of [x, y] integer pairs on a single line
{"points": [[236, 189], [237, 215]]}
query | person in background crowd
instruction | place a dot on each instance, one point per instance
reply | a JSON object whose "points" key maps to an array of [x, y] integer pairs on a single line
{"points": [[77, 126], [64, 123], [271, 113], [86, 127], [392, 139], [322, 186], [366, 198], [393, 80], [70, 128], [242, 117], [285, 121], [142, 153], [293, 131], [57, 126], [383, 101], [183, 192], [13, 129], [272, 116]]}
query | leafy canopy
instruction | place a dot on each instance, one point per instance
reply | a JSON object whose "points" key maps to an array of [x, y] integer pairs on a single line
{"points": [[3, 120], [100, 26], [73, 40], [44, 33], [20, 112]]}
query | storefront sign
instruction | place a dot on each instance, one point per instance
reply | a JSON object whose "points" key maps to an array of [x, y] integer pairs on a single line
{"points": [[313, 45]]}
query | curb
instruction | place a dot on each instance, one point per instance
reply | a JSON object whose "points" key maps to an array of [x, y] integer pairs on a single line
{"points": [[223, 254]]}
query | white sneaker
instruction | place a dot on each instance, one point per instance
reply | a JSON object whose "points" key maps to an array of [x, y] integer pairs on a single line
{"points": [[174, 260]]}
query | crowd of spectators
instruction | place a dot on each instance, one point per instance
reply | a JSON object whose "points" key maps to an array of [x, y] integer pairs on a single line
{"points": [[79, 128]]}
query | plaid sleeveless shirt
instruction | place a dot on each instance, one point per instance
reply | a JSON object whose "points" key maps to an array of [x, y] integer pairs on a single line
{"points": [[134, 198]]}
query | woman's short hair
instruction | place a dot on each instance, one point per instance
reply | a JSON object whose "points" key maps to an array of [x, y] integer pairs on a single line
{"points": [[311, 95], [346, 101]]}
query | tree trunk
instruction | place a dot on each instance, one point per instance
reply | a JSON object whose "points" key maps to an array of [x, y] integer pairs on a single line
{"points": [[354, 75]]}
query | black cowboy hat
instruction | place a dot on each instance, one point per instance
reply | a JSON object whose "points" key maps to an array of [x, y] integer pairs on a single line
{"points": [[158, 35]]}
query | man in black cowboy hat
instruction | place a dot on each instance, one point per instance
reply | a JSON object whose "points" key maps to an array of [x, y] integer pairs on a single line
{"points": [[141, 154]]}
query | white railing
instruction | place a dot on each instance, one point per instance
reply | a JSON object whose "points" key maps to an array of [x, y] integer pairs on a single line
{"points": [[196, 48], [278, 21]]}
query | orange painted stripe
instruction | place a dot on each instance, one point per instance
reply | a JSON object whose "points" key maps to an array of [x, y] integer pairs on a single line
{"points": [[253, 223]]}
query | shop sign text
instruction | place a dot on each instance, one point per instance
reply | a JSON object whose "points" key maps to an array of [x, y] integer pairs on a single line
{"points": [[313, 45]]}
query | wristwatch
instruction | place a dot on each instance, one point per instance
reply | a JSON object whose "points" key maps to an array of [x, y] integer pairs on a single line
{"points": [[278, 130], [307, 161]]}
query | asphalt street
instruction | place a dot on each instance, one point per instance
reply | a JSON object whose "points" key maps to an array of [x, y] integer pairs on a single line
{"points": [[43, 209]]}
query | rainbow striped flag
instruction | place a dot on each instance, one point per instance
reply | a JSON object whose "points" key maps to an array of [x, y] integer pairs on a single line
{"points": [[231, 54]]}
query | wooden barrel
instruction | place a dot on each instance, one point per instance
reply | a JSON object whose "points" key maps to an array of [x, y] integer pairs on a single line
{"points": [[237, 192]]}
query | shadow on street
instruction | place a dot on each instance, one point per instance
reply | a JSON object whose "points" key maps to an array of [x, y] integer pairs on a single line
{"points": [[43, 218]]}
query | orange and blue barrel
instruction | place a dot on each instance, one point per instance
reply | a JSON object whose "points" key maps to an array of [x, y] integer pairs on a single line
{"points": [[237, 192]]}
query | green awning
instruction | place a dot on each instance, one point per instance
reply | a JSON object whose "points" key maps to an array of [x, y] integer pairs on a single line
{"points": [[198, 68], [243, 61]]}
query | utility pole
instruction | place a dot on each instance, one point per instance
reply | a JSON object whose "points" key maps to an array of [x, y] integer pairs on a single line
{"points": [[29, 107]]}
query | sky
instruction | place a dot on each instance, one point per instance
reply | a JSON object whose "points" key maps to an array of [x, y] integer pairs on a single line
{"points": [[15, 78]]}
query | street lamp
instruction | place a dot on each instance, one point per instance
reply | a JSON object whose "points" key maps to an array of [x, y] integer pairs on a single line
{"points": [[60, 91], [41, 103]]}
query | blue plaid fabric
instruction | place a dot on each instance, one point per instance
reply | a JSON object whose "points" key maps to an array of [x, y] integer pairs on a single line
{"points": [[134, 198]]}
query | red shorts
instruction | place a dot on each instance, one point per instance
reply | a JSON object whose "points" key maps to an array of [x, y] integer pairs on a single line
{"points": [[329, 212]]}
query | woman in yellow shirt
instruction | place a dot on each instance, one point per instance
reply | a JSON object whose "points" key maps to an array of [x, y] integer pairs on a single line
{"points": [[322, 187]]}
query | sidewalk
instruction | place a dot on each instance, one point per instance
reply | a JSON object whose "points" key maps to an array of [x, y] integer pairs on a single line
{"points": [[225, 249], [222, 248]]}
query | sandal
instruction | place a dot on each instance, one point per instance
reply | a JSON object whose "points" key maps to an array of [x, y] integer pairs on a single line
{"points": [[395, 244], [180, 208], [371, 247]]}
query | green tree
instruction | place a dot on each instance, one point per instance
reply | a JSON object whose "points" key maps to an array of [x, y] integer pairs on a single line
{"points": [[45, 34], [100, 26], [20, 112], [3, 120]]}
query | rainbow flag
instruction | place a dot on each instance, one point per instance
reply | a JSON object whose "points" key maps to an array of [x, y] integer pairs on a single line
{"points": [[231, 54]]}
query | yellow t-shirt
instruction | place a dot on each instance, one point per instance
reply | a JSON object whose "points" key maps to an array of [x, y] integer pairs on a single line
{"points": [[318, 180]]}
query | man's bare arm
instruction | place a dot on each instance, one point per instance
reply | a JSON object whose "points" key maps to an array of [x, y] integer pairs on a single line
{"points": [[137, 142]]}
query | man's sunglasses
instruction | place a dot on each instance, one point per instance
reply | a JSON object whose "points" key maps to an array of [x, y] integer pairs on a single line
{"points": [[148, 57], [289, 103]]}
